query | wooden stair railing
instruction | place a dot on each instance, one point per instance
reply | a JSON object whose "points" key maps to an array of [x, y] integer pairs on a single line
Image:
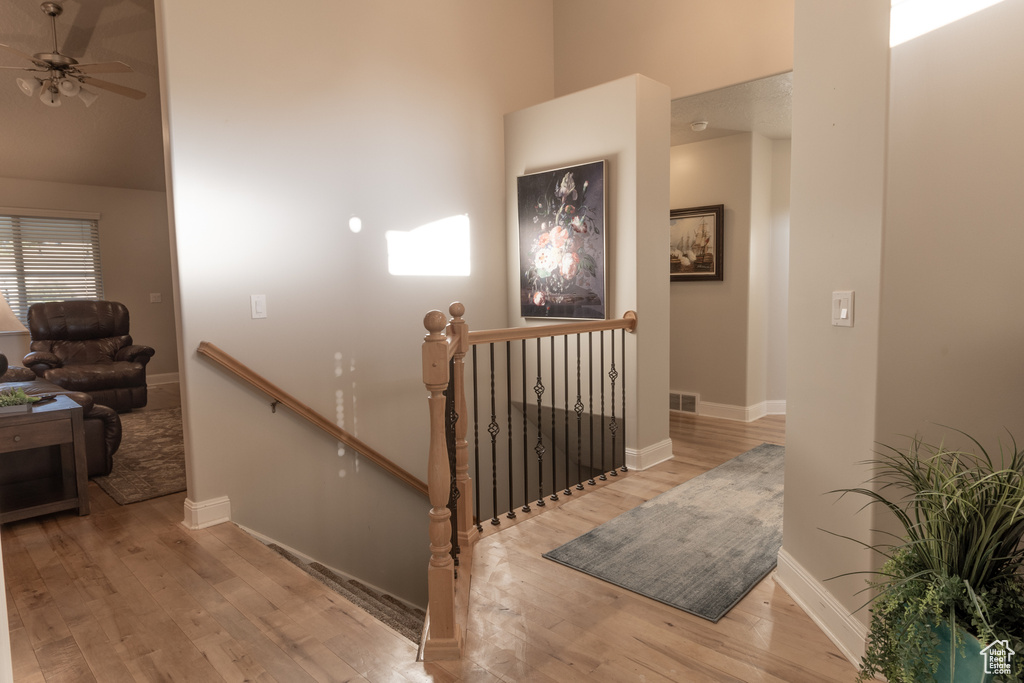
{"points": [[298, 407], [448, 341]]}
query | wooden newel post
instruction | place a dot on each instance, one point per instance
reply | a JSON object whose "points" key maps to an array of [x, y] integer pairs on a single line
{"points": [[444, 638], [458, 332]]}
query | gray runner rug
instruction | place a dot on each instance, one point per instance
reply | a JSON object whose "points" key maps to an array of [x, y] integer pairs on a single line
{"points": [[151, 459], [700, 546]]}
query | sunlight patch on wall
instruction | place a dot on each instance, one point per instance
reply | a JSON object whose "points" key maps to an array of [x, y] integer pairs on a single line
{"points": [[912, 18], [439, 248]]}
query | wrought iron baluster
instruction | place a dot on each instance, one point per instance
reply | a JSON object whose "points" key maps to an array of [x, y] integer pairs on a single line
{"points": [[554, 390], [623, 355], [476, 442], [526, 438], [511, 514], [590, 401], [579, 421], [612, 427], [453, 493], [493, 430], [565, 409], [539, 449], [604, 469]]}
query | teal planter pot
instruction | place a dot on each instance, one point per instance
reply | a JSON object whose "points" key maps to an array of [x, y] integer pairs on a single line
{"points": [[969, 665]]}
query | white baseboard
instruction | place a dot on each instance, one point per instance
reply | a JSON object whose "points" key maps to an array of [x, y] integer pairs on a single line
{"points": [[164, 378], [201, 514], [742, 413], [649, 456], [842, 628]]}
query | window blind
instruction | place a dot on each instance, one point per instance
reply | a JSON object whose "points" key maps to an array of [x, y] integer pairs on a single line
{"points": [[48, 259]]}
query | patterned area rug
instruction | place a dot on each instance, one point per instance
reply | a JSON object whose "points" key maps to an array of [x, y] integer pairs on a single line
{"points": [[700, 546], [151, 459]]}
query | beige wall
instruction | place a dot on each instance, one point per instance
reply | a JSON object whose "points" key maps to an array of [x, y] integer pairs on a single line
{"points": [[840, 95], [778, 286], [951, 329], [727, 343], [709, 319], [403, 129], [759, 284], [134, 252], [689, 45], [891, 195], [627, 125]]}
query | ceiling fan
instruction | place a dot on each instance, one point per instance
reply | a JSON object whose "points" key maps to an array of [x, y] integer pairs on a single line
{"points": [[64, 75]]}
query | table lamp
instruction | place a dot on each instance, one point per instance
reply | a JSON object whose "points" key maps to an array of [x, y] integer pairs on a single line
{"points": [[14, 336]]}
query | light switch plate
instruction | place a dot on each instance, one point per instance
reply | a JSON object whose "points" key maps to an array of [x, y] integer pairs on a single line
{"points": [[258, 304], [842, 309]]}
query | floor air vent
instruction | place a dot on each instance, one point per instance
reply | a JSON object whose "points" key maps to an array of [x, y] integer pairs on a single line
{"points": [[683, 403]]}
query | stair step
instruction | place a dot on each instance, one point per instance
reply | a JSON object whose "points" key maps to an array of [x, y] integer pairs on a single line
{"points": [[409, 616], [406, 620]]}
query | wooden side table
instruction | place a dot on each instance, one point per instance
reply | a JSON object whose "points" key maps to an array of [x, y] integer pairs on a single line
{"points": [[57, 422]]}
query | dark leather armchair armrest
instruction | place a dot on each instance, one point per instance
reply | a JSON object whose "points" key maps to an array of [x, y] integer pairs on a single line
{"points": [[135, 353], [41, 361], [111, 428]]}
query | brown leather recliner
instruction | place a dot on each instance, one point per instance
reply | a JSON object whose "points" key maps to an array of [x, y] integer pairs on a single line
{"points": [[84, 345], [102, 431]]}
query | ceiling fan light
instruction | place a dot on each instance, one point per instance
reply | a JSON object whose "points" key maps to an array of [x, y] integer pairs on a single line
{"points": [[50, 98], [69, 87], [87, 96], [29, 86]]}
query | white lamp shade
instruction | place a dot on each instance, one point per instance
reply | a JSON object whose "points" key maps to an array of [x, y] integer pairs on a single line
{"points": [[69, 87], [50, 98], [14, 338], [29, 86], [8, 321], [87, 96]]}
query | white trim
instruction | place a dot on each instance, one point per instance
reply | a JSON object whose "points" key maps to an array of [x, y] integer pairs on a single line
{"points": [[649, 456], [50, 213], [742, 413], [163, 378], [841, 627], [728, 412], [199, 515]]}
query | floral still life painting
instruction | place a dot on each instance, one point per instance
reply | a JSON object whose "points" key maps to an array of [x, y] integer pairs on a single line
{"points": [[561, 242]]}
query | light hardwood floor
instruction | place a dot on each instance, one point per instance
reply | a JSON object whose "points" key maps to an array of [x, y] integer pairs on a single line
{"points": [[127, 593]]}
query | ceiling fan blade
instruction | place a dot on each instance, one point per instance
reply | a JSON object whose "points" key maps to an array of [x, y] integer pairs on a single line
{"points": [[104, 68], [114, 88], [23, 55]]}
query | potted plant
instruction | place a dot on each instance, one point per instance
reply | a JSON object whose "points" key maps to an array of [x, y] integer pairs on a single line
{"points": [[16, 400], [953, 582]]}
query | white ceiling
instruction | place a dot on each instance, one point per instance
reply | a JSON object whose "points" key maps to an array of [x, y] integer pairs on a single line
{"points": [[117, 142], [764, 106]]}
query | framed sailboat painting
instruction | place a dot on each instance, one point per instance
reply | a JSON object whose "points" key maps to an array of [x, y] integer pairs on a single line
{"points": [[696, 243]]}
